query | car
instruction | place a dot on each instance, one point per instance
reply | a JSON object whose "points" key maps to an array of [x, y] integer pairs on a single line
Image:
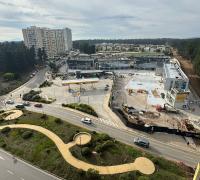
{"points": [[141, 142], [86, 120], [26, 103], [10, 102], [106, 88], [20, 106], [38, 105]]}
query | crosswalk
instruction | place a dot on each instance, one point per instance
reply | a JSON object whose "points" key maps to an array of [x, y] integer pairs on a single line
{"points": [[108, 122]]}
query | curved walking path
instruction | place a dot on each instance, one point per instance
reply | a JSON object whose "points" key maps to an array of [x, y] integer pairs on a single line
{"points": [[14, 114], [141, 164]]}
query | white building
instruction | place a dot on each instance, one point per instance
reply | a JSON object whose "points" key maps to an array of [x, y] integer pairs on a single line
{"points": [[54, 41], [176, 84]]}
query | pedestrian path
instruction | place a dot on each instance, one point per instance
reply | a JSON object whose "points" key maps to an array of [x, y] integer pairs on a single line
{"points": [[141, 164], [108, 122]]}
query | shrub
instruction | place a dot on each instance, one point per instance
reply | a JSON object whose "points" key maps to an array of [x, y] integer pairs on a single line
{"points": [[9, 76], [45, 84], [103, 137], [81, 172], [92, 174], [102, 147], [2, 111], [58, 121], [44, 116], [6, 130], [27, 134], [81, 107], [85, 151]]}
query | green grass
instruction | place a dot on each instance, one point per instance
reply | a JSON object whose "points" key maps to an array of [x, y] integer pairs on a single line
{"points": [[41, 151], [82, 107]]}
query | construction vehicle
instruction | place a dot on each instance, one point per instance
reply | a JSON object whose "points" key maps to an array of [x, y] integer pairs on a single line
{"points": [[166, 108]]}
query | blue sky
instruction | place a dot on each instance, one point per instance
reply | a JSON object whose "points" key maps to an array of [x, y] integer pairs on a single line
{"points": [[90, 19]]}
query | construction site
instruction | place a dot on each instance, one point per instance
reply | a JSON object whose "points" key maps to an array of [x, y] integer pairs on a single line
{"points": [[141, 97]]}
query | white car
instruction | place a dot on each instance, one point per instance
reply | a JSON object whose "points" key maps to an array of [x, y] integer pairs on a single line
{"points": [[86, 120], [10, 102]]}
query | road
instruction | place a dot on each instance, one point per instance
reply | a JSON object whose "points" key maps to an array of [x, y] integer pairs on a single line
{"points": [[16, 169], [172, 152], [189, 157], [21, 170], [32, 83]]}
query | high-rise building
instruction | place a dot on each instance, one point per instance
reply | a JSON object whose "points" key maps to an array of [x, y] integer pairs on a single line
{"points": [[54, 41]]}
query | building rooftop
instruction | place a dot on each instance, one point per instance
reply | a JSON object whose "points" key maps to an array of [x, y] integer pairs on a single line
{"points": [[174, 71]]}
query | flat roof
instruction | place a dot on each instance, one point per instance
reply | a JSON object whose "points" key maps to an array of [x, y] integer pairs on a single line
{"points": [[80, 81], [174, 71]]}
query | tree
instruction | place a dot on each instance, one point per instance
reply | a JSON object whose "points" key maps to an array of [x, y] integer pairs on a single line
{"points": [[40, 56], [44, 55], [9, 76], [92, 174]]}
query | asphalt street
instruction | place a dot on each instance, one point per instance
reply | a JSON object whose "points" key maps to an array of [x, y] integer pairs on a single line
{"points": [[177, 153], [21, 170], [16, 169]]}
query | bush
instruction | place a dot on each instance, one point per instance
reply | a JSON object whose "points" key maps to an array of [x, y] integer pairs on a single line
{"points": [[45, 84], [81, 107], [2, 111], [128, 176], [92, 174], [6, 130], [103, 137], [44, 116], [81, 172], [102, 147], [27, 134], [9, 76], [85, 151], [58, 121]]}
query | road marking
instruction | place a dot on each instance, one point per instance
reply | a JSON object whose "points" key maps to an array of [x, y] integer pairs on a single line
{"points": [[22, 178], [10, 172], [2, 158]]}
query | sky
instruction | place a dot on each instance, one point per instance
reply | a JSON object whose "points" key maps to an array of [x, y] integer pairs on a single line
{"points": [[103, 19]]}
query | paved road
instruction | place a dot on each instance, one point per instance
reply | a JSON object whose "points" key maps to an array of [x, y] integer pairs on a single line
{"points": [[15, 169], [172, 152], [21, 170], [32, 83]]}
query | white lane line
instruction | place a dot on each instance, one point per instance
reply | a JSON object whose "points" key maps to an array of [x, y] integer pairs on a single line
{"points": [[10, 172], [2, 158], [22, 178]]}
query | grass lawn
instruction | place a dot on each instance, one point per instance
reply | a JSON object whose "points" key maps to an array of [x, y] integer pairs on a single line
{"points": [[41, 151]]}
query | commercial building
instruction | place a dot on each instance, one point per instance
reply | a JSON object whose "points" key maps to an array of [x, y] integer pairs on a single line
{"points": [[176, 84], [54, 41]]}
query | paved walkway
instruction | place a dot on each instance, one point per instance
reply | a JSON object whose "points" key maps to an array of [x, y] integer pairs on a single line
{"points": [[141, 164], [14, 114]]}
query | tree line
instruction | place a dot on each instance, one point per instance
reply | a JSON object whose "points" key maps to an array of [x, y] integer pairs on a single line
{"points": [[16, 58], [190, 49]]}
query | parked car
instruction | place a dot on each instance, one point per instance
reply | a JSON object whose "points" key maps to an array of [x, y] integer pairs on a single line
{"points": [[26, 103], [10, 102], [38, 105], [141, 142], [106, 88], [86, 120], [20, 106]]}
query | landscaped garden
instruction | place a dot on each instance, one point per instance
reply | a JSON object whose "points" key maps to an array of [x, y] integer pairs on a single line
{"points": [[82, 107], [35, 97], [102, 150]]}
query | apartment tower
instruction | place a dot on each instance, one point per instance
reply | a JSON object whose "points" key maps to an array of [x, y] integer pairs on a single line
{"points": [[54, 41]]}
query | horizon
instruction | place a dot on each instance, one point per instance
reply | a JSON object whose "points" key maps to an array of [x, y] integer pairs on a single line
{"points": [[121, 19]]}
